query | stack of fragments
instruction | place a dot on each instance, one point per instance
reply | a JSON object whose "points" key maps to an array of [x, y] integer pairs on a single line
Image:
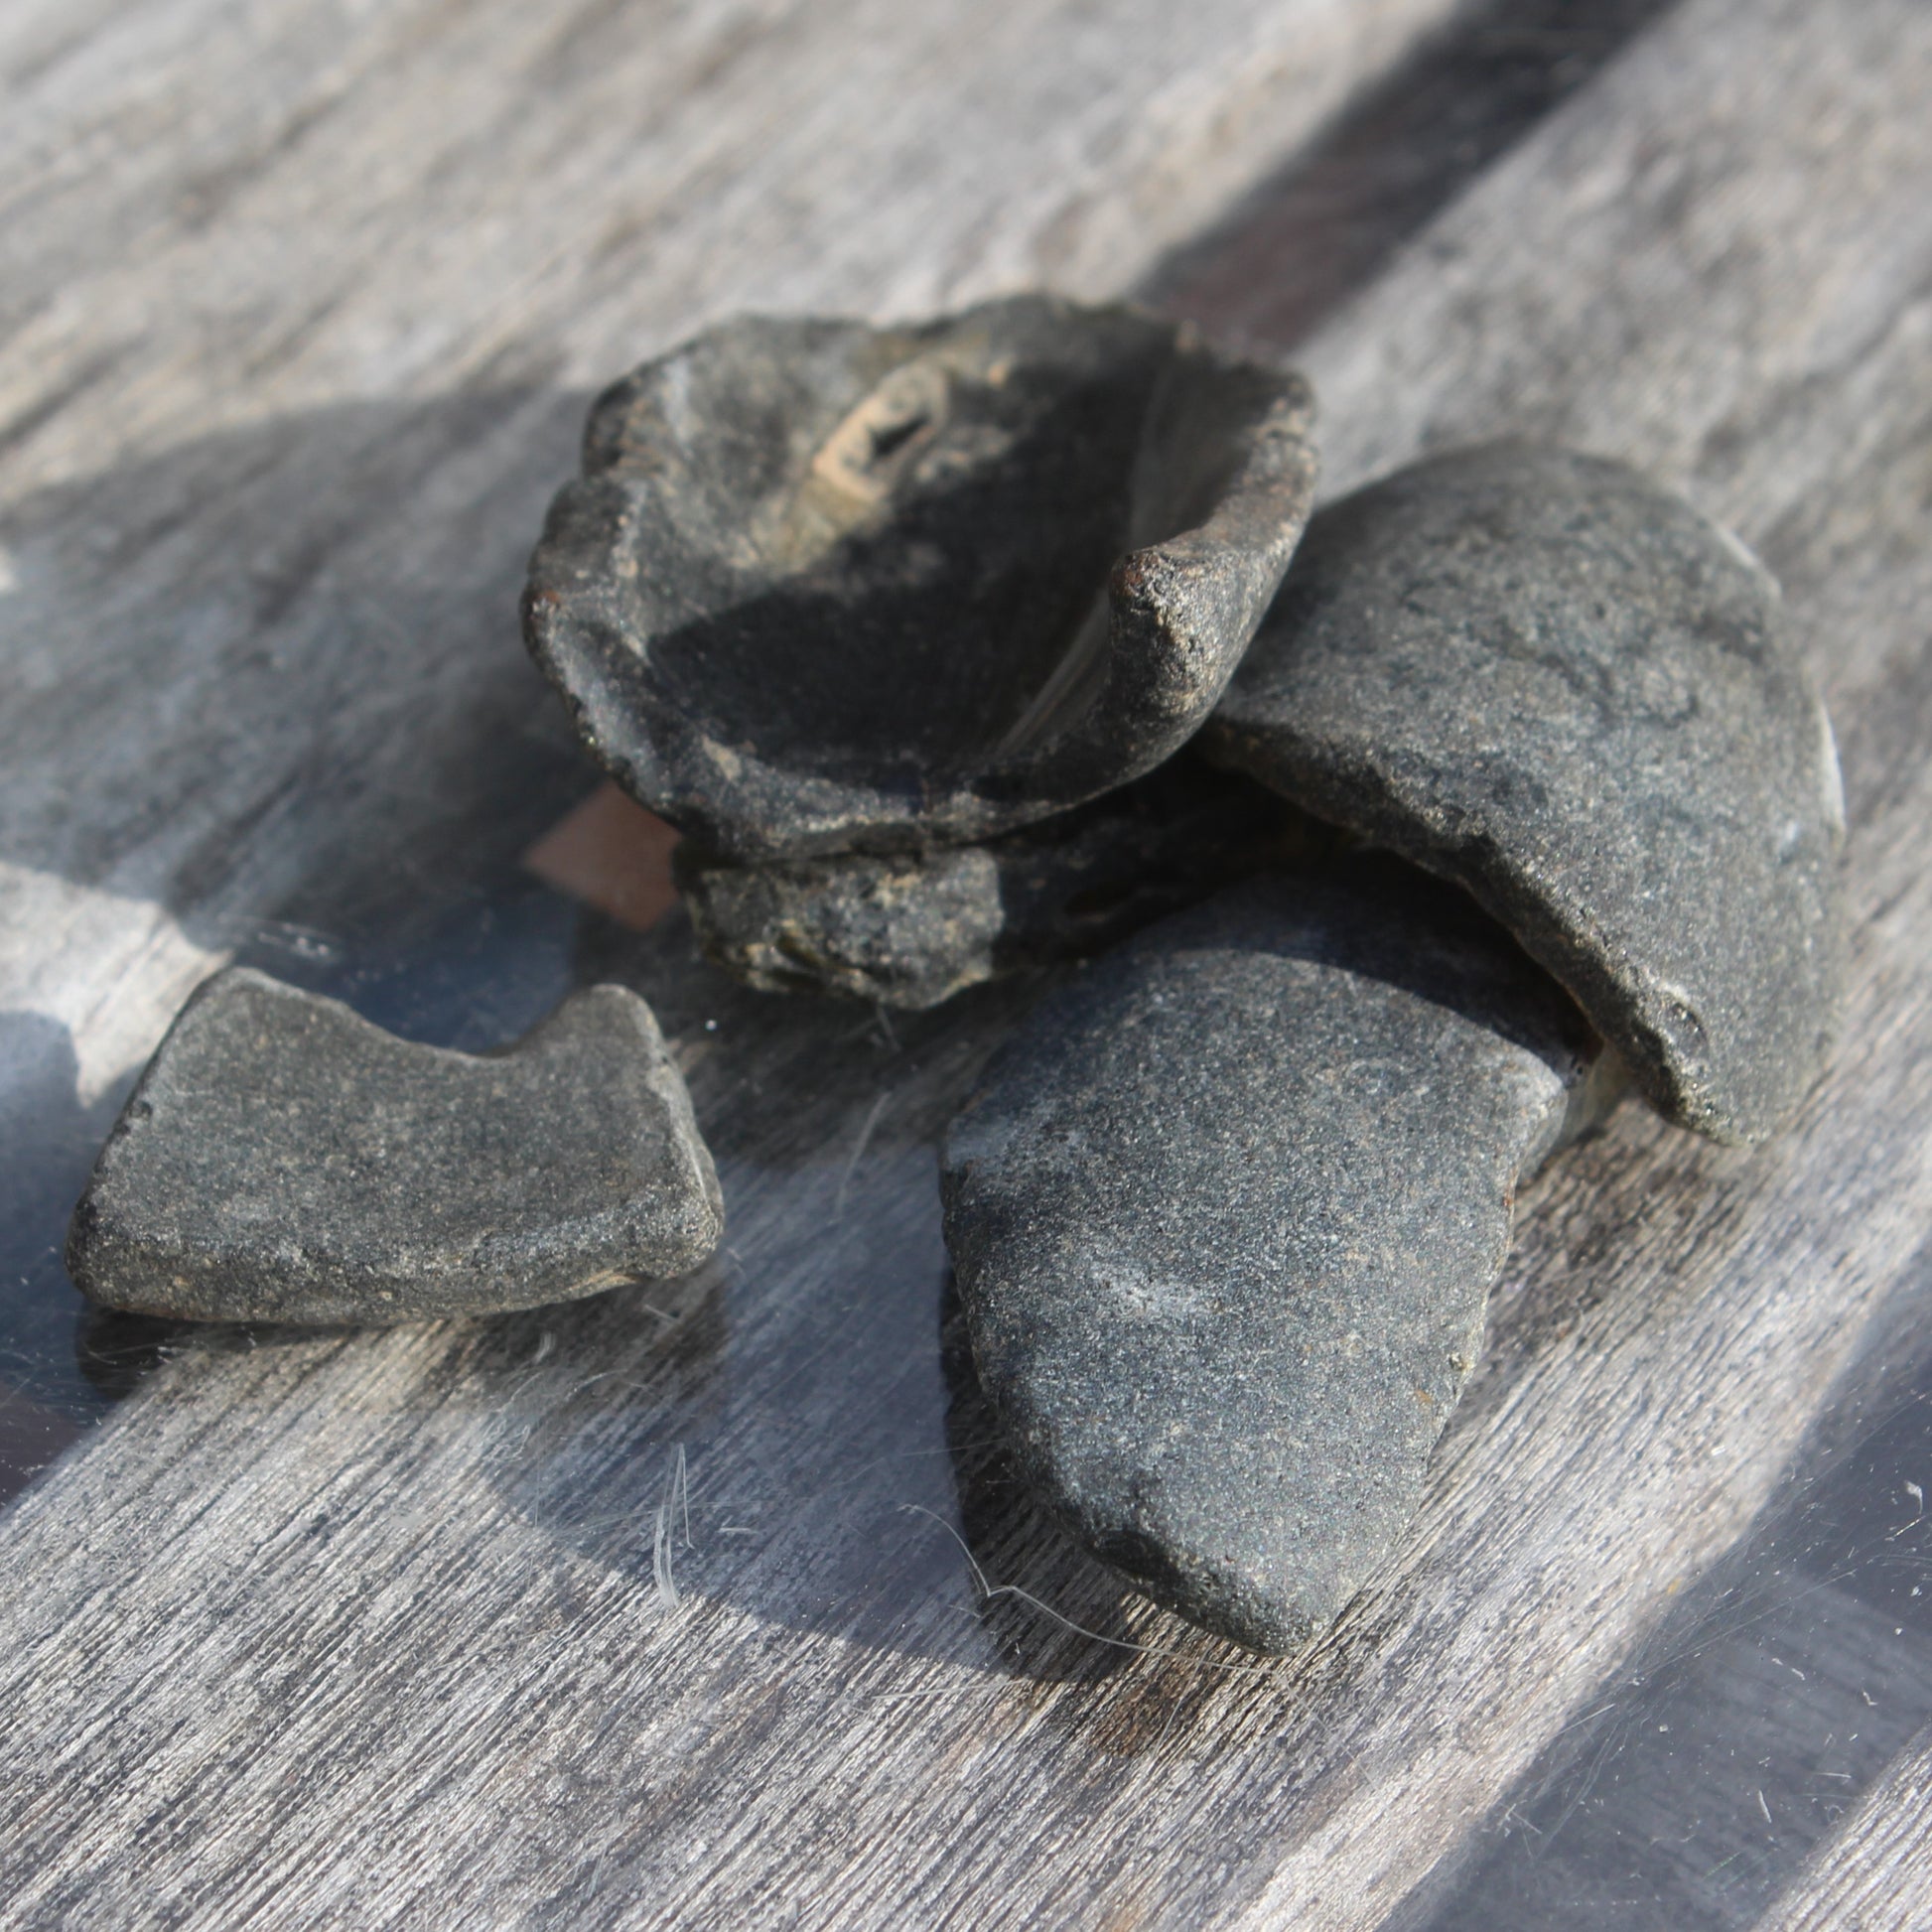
{"points": [[976, 645]]}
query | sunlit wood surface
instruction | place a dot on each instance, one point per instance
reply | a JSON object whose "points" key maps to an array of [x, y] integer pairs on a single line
{"points": [[668, 1608]]}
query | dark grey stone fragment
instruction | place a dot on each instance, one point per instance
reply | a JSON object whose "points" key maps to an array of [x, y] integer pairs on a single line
{"points": [[912, 929], [1225, 1214], [283, 1160], [1546, 678], [825, 587]]}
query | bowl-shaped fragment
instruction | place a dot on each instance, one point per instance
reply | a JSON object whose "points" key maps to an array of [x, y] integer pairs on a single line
{"points": [[825, 587]]}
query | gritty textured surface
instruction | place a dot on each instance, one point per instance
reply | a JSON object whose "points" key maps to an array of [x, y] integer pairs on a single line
{"points": [[1225, 1215], [1554, 682], [825, 586], [284, 1160], [913, 928], [907, 929]]}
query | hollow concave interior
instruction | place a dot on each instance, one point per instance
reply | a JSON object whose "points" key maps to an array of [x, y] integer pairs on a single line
{"points": [[871, 576]]}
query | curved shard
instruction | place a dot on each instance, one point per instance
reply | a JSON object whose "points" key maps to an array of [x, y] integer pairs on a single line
{"points": [[823, 587], [1541, 675], [1225, 1214], [284, 1160]]}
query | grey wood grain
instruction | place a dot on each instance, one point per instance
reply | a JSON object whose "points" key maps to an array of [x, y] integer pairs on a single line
{"points": [[1689, 1786], [302, 307], [407, 1628], [299, 319], [1870, 1875]]}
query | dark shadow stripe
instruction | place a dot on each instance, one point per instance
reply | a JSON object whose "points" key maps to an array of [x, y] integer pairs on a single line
{"points": [[1704, 1766], [1299, 243]]}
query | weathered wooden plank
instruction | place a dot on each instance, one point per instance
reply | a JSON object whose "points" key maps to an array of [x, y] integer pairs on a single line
{"points": [[368, 1627], [1692, 1782], [301, 305], [223, 244], [1873, 1875]]}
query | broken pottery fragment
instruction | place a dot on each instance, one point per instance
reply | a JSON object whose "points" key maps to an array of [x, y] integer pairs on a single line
{"points": [[1558, 684], [1225, 1213], [284, 1160], [912, 929], [823, 587]]}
